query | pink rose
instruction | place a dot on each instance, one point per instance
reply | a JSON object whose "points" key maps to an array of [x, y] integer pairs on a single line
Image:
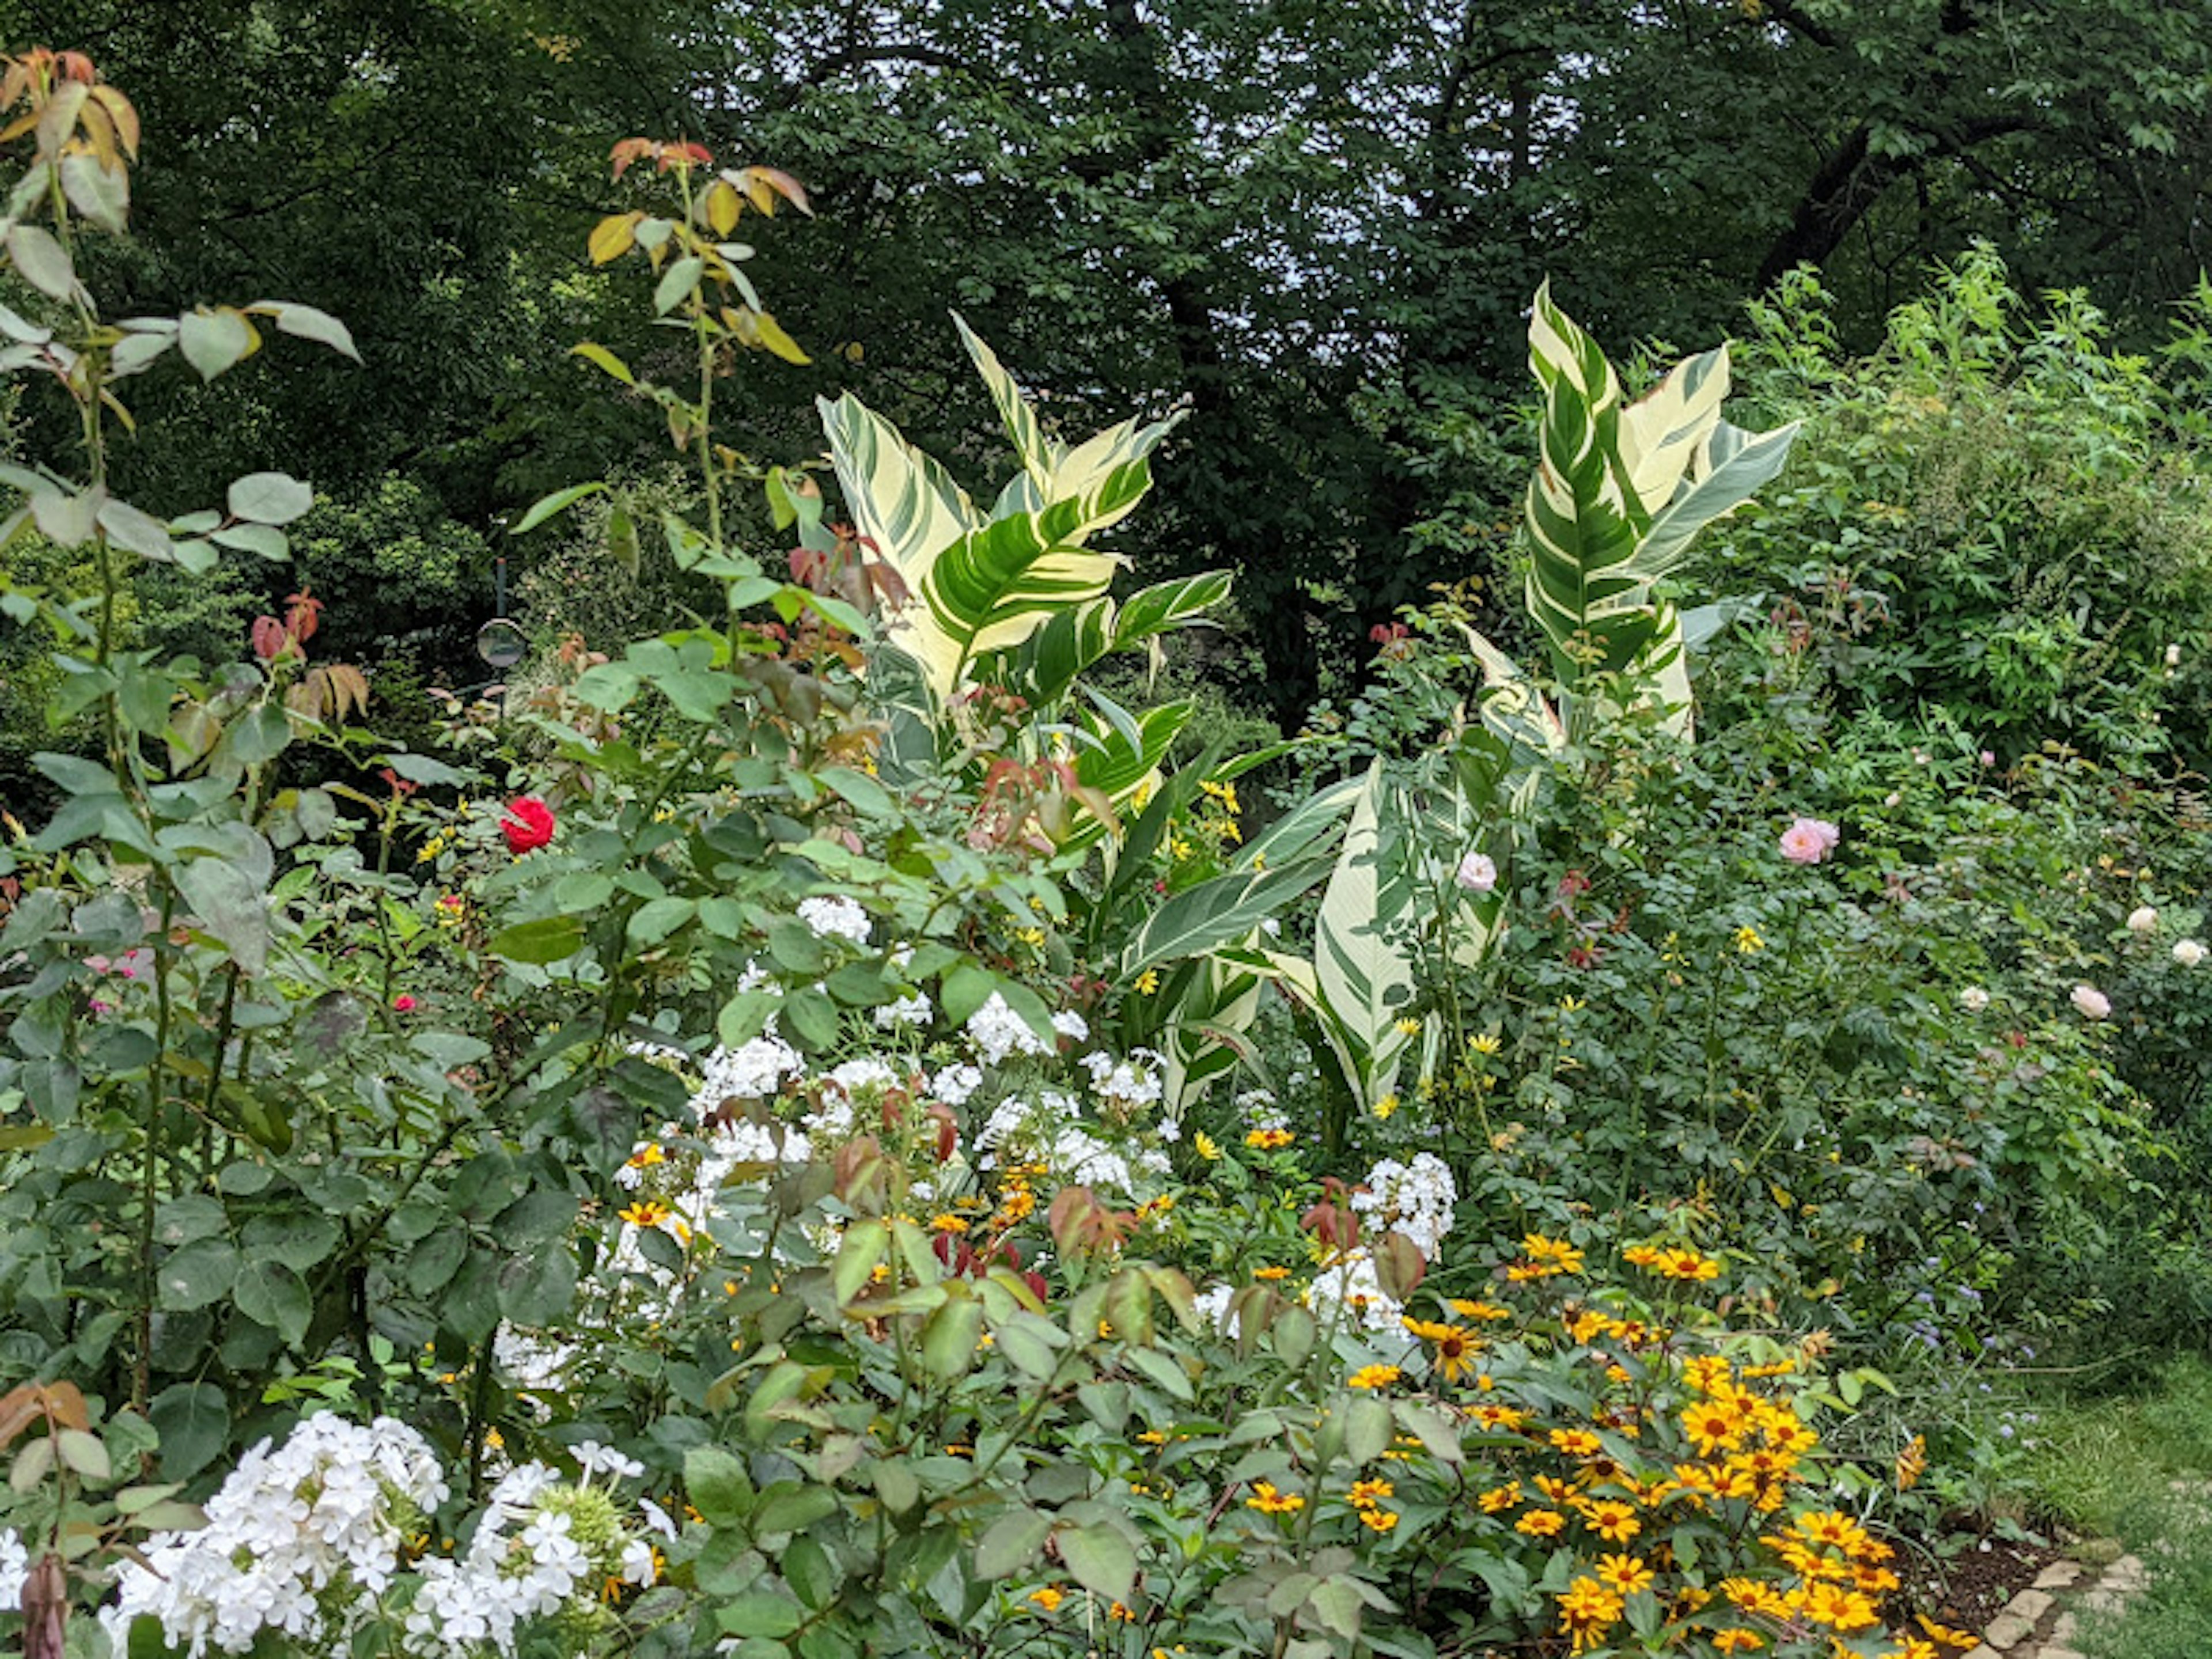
{"points": [[2093, 1003], [1477, 873], [1808, 841], [402, 1003]]}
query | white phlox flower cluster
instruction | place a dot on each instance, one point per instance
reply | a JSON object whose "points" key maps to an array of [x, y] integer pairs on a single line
{"points": [[1261, 1110], [1351, 1285], [997, 1031], [751, 1071], [1048, 1131], [542, 1549], [916, 1010], [835, 918], [300, 1540], [955, 1084], [1411, 1200], [306, 1542], [1125, 1087], [14, 1568]]}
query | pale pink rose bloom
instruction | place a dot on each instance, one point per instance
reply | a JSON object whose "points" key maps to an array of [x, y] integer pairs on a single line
{"points": [[1988, 757], [1809, 839], [2090, 1001], [1477, 873]]}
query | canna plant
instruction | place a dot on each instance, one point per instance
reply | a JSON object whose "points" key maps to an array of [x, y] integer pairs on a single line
{"points": [[1620, 490], [1011, 607]]}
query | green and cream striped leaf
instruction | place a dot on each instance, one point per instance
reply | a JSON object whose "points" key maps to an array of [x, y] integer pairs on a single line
{"points": [[1584, 520], [1217, 999], [1116, 758], [1305, 829], [1218, 912], [1074, 640], [1051, 471], [899, 498], [1363, 971], [1664, 432], [1735, 464], [994, 587]]}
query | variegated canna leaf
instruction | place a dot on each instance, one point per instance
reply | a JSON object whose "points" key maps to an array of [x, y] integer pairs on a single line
{"points": [[900, 500], [994, 586], [1618, 494], [1051, 471], [1362, 968]]}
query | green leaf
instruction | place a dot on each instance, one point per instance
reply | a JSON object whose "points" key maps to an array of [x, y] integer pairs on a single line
{"points": [[1367, 1428], [227, 904], [559, 501], [1219, 912], [950, 1337], [41, 261], [676, 283], [760, 1612], [194, 1419], [306, 323], [264, 540], [656, 919], [894, 1484], [1365, 974], [1337, 1604], [269, 498], [100, 194], [213, 341], [604, 359], [1101, 1560], [865, 795], [716, 1484], [793, 1509], [270, 1293], [551, 939], [538, 1287], [140, 532], [1012, 1542], [84, 1453], [196, 1274]]}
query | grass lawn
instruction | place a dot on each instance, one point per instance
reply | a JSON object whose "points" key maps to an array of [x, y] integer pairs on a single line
{"points": [[2111, 1470]]}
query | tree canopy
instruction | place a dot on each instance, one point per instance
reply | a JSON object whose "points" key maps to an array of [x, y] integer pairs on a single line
{"points": [[1314, 224]]}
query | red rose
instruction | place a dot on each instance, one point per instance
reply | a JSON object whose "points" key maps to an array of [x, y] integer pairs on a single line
{"points": [[528, 824], [402, 1003]]}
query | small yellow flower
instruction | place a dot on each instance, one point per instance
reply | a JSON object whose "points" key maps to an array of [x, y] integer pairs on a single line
{"points": [[1374, 1376], [1409, 1027], [1208, 1147], [1032, 937], [1268, 1140], [1047, 1598], [1270, 1274], [1378, 1520], [647, 1212], [1624, 1574], [1484, 1044], [646, 1156], [948, 1222], [1147, 982], [1266, 1499], [1385, 1106], [1747, 940], [1365, 1494]]}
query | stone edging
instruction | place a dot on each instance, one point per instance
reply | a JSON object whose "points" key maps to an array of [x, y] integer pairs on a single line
{"points": [[2038, 1622]]}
